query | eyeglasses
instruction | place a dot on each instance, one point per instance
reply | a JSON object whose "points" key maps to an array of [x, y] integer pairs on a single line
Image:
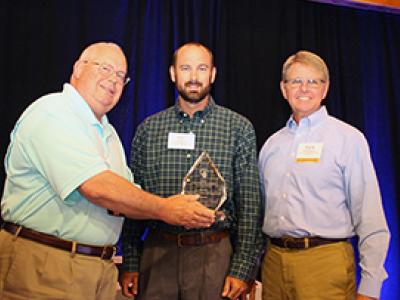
{"points": [[297, 82], [107, 70]]}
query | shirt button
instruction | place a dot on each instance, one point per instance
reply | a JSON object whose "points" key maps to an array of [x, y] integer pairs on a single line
{"points": [[284, 195], [282, 218], [202, 121], [287, 174], [185, 115], [188, 155]]}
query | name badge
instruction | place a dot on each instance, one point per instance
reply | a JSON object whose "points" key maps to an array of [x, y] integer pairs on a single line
{"points": [[184, 141], [309, 152]]}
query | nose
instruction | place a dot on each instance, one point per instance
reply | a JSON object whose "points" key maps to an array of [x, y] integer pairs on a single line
{"points": [[304, 86], [113, 77], [193, 75]]}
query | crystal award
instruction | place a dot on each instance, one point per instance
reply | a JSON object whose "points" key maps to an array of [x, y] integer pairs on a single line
{"points": [[204, 179]]}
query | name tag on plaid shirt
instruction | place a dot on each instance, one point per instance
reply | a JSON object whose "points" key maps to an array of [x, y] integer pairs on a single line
{"points": [[181, 140]]}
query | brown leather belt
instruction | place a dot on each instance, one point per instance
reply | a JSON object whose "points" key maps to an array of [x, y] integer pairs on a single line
{"points": [[303, 243], [105, 252], [193, 239]]}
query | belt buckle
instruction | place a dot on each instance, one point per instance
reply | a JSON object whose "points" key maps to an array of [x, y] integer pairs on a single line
{"points": [[286, 240], [179, 239], [197, 237], [200, 238], [104, 252]]}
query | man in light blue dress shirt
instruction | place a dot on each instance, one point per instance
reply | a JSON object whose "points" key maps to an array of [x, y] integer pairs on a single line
{"points": [[68, 186], [320, 190]]}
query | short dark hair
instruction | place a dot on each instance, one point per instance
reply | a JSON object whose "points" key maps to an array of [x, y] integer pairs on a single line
{"points": [[197, 44]]}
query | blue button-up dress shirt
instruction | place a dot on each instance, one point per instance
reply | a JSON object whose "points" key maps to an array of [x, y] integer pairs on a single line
{"points": [[336, 195]]}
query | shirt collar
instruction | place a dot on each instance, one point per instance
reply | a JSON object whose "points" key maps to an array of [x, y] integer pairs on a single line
{"points": [[82, 108], [312, 120], [201, 113]]}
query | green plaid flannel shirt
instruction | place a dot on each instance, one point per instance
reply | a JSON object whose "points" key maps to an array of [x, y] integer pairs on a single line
{"points": [[230, 140]]}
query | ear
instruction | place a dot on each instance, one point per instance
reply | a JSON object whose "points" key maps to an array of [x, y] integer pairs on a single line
{"points": [[77, 69], [172, 73], [283, 89], [213, 74]]}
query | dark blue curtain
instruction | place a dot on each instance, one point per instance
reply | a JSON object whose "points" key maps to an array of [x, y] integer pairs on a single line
{"points": [[40, 40]]}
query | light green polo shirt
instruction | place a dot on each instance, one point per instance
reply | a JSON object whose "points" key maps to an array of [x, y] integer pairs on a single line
{"points": [[56, 145]]}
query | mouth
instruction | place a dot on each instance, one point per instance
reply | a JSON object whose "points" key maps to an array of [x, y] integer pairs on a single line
{"points": [[193, 89], [193, 85], [303, 98], [110, 90]]}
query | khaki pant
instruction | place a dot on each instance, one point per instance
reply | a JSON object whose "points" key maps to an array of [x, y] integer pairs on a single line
{"points": [[168, 272], [320, 273], [30, 270]]}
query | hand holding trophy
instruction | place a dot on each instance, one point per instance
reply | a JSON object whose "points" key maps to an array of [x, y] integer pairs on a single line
{"points": [[204, 179]]}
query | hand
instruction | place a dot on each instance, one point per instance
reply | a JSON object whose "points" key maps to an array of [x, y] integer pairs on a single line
{"points": [[185, 210], [234, 287], [363, 297], [251, 292], [129, 283]]}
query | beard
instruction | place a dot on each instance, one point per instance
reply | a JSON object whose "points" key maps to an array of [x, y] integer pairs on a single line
{"points": [[194, 96]]}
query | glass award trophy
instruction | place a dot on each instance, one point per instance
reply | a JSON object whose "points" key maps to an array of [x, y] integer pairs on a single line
{"points": [[204, 179]]}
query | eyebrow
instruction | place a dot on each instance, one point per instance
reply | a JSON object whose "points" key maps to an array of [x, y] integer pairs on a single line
{"points": [[200, 65]]}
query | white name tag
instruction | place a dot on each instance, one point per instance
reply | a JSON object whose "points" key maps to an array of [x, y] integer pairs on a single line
{"points": [[309, 152], [181, 140]]}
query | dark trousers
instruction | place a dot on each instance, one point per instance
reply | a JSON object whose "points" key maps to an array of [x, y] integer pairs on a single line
{"points": [[183, 273]]}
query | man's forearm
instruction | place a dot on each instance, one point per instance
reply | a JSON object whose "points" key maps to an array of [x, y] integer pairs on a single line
{"points": [[113, 192]]}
